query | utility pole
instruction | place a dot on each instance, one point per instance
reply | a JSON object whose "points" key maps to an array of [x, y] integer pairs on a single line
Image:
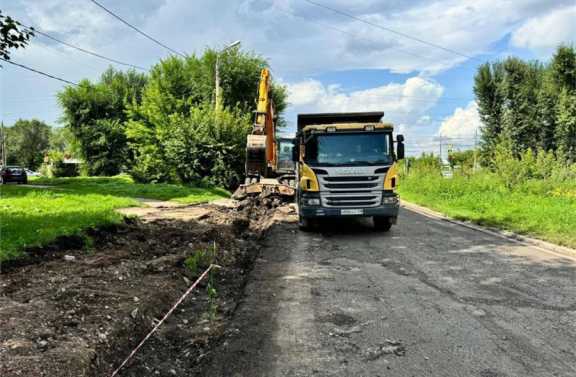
{"points": [[218, 90], [3, 144]]}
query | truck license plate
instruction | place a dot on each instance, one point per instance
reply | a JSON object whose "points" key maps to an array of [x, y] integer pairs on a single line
{"points": [[351, 212]]}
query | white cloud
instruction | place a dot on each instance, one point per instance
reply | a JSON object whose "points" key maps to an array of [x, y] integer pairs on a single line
{"points": [[409, 99], [404, 104], [299, 39], [463, 123], [548, 30]]}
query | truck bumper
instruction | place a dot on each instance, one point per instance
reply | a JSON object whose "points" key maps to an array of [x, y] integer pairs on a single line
{"points": [[317, 211]]}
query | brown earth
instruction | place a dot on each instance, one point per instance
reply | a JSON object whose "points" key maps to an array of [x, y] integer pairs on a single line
{"points": [[70, 311]]}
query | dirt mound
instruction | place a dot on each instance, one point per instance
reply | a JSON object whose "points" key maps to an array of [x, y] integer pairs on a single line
{"points": [[79, 313]]}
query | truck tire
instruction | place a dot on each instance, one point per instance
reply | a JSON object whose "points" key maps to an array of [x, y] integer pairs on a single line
{"points": [[382, 224], [305, 224]]}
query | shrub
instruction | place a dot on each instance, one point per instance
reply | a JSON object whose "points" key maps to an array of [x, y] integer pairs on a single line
{"points": [[54, 166], [205, 145]]}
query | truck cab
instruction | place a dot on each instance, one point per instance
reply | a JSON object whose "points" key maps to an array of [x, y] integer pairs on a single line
{"points": [[346, 167]]}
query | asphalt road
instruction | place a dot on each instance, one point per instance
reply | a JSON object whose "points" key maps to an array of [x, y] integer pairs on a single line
{"points": [[429, 298]]}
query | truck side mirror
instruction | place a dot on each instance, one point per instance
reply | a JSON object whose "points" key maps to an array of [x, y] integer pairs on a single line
{"points": [[295, 150], [400, 147]]}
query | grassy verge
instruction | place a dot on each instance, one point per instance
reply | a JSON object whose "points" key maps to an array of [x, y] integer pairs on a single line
{"points": [[535, 208], [124, 186], [34, 216]]}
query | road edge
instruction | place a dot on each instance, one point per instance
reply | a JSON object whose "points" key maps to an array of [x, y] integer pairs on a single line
{"points": [[511, 236]]}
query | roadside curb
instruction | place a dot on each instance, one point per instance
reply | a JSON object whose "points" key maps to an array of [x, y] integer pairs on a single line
{"points": [[511, 236]]}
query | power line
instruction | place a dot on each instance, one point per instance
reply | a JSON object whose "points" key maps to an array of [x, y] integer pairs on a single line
{"points": [[352, 34], [39, 72], [83, 49], [136, 29], [391, 30]]}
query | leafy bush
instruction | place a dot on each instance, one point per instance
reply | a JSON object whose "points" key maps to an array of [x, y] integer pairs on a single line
{"points": [[534, 193], [54, 166], [205, 145], [464, 160]]}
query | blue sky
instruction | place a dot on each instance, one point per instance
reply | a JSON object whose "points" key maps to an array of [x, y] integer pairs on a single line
{"points": [[329, 62]]}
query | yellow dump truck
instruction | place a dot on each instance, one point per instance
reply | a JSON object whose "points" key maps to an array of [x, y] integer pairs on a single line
{"points": [[346, 167]]}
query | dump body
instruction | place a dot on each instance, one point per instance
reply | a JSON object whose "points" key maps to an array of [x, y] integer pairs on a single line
{"points": [[346, 167]]}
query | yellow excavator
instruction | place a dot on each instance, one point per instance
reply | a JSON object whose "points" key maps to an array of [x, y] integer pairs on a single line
{"points": [[269, 164]]}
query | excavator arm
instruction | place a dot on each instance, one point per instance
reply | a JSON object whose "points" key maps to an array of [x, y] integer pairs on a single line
{"points": [[261, 148], [261, 144]]}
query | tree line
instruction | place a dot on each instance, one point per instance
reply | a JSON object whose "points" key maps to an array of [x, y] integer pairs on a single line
{"points": [[529, 105], [28, 142], [163, 126], [159, 126]]}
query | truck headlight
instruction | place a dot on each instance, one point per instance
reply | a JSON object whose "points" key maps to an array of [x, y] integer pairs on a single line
{"points": [[313, 202], [390, 200]]}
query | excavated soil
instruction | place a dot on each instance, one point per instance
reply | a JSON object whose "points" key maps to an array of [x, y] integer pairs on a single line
{"points": [[70, 311]]}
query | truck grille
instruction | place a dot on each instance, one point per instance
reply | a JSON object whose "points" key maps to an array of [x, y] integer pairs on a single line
{"points": [[351, 191]]}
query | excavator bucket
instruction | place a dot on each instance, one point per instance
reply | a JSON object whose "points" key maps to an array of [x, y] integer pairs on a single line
{"points": [[264, 188]]}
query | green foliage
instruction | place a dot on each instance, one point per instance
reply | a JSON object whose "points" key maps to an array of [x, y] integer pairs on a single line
{"points": [[27, 142], [162, 127], [532, 193], [563, 68], [566, 124], [529, 104], [12, 35], [426, 164], [198, 263], [54, 166], [124, 186], [462, 159], [489, 96], [176, 135], [32, 217], [205, 144], [95, 114]]}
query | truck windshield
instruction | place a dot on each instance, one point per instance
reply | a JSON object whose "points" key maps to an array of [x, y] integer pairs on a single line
{"points": [[349, 149]]}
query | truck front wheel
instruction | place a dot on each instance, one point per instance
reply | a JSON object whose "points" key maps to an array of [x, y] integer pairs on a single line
{"points": [[382, 223], [305, 224]]}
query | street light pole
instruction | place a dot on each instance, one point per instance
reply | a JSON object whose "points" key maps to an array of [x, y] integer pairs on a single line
{"points": [[3, 144], [218, 90]]}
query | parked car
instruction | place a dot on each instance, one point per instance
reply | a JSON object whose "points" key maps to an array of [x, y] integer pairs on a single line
{"points": [[13, 174]]}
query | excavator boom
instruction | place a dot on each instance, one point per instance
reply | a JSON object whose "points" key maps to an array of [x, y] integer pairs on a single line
{"points": [[262, 149]]}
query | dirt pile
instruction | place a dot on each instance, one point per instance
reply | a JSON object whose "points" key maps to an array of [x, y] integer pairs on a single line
{"points": [[80, 312]]}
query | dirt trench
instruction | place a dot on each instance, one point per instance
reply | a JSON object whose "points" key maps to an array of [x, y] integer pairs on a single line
{"points": [[79, 312]]}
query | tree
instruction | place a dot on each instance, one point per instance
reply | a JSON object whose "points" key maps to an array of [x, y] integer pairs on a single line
{"points": [[27, 141], [527, 104], [520, 89], [566, 124], [12, 35], [95, 114], [176, 135], [490, 100], [62, 140], [563, 68]]}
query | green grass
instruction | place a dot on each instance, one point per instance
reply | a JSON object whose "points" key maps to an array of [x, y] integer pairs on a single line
{"points": [[537, 208], [36, 216], [124, 186], [32, 217]]}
